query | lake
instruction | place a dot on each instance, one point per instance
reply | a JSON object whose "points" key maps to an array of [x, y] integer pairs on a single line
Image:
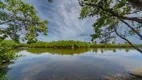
{"points": [[73, 64]]}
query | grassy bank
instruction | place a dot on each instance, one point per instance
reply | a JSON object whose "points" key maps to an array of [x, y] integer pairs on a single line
{"points": [[68, 44]]}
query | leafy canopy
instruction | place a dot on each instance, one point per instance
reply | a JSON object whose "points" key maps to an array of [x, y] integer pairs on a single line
{"points": [[109, 15], [20, 20]]}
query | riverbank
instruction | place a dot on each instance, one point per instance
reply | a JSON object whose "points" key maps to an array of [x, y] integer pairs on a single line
{"points": [[68, 44]]}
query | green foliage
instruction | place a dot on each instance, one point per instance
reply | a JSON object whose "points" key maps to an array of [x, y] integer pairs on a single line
{"points": [[60, 44], [70, 44], [17, 17], [13, 44], [7, 56], [108, 14], [6, 53]]}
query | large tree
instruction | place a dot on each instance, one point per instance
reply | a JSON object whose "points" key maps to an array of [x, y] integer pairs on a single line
{"points": [[114, 18], [20, 20]]}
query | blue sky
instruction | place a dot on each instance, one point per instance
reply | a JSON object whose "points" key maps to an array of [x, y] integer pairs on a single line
{"points": [[63, 21]]}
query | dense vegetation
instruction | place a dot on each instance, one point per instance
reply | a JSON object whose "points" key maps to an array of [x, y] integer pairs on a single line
{"points": [[7, 56], [7, 53], [60, 44], [68, 44]]}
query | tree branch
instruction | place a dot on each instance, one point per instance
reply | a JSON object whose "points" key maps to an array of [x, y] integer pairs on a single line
{"points": [[138, 49], [132, 19], [132, 28], [110, 11], [115, 14]]}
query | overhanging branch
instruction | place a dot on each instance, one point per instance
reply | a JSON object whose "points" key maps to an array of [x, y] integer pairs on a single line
{"points": [[139, 20], [138, 49], [132, 29], [110, 11]]}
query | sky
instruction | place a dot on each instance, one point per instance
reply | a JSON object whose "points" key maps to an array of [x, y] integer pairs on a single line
{"points": [[63, 21]]}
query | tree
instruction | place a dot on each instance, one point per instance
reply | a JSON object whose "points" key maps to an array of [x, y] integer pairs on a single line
{"points": [[16, 17], [114, 18]]}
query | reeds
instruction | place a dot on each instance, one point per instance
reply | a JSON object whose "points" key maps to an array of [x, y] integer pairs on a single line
{"points": [[61, 44], [70, 44]]}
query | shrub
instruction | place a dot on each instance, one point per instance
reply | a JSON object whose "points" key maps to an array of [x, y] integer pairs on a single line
{"points": [[6, 53]]}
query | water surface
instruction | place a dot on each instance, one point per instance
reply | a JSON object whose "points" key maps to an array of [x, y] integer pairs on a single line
{"points": [[77, 64]]}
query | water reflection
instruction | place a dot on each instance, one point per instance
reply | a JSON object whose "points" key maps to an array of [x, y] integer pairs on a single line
{"points": [[7, 57], [3, 71], [103, 50], [73, 51], [83, 64], [58, 51]]}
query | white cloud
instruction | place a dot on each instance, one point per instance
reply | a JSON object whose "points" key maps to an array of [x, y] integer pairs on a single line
{"points": [[63, 19]]}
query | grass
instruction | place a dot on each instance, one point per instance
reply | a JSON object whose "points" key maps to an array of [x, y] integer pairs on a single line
{"points": [[70, 44]]}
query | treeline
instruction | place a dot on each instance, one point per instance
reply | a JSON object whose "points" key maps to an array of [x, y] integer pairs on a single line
{"points": [[68, 44], [61, 44]]}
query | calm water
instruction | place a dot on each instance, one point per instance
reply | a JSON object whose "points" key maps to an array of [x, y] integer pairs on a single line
{"points": [[79, 64]]}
